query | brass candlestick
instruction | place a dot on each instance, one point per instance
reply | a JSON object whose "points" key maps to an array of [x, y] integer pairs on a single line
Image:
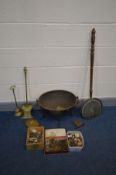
{"points": [[26, 107], [18, 111]]}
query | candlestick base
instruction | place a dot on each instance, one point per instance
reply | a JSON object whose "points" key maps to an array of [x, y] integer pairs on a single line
{"points": [[26, 111]]}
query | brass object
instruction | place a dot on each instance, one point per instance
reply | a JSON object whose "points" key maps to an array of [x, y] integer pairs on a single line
{"points": [[57, 101], [78, 123], [93, 106], [27, 108], [31, 122], [18, 111]]}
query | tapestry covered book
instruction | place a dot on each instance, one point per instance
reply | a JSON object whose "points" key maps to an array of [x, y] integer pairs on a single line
{"points": [[55, 141]]}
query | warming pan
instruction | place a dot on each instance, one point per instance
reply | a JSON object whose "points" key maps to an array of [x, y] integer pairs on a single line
{"points": [[56, 101]]}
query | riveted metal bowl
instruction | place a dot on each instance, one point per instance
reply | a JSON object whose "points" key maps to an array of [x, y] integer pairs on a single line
{"points": [[57, 100]]}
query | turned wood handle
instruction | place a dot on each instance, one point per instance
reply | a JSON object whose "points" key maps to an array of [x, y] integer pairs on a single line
{"points": [[92, 60]]}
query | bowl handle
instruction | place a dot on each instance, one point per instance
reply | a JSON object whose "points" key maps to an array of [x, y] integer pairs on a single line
{"points": [[77, 99]]}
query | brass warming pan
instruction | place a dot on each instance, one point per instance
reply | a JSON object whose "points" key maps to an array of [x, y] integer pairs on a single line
{"points": [[57, 101]]}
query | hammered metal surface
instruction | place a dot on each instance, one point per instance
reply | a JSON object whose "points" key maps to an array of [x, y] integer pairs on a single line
{"points": [[91, 108], [58, 100]]}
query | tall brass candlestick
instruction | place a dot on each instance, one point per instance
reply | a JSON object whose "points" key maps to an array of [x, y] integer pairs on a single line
{"points": [[26, 107]]}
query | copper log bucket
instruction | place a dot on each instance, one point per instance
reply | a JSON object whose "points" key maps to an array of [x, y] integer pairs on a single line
{"points": [[57, 101]]}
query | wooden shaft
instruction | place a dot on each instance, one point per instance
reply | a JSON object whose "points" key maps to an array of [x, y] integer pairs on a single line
{"points": [[25, 72], [92, 60]]}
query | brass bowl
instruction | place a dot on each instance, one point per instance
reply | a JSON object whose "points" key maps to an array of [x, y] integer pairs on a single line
{"points": [[57, 100]]}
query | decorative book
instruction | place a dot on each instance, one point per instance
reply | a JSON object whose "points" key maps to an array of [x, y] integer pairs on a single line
{"points": [[55, 141], [35, 138]]}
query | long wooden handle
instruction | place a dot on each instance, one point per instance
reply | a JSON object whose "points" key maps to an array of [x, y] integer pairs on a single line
{"points": [[25, 73], [92, 60]]}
